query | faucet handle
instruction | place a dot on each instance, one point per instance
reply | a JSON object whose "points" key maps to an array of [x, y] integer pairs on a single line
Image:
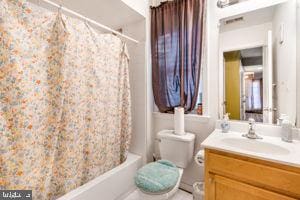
{"points": [[251, 132], [251, 121]]}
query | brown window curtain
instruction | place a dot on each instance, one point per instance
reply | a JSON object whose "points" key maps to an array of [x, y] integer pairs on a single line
{"points": [[176, 44]]}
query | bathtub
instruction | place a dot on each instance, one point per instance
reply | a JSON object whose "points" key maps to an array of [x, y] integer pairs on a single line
{"points": [[112, 185]]}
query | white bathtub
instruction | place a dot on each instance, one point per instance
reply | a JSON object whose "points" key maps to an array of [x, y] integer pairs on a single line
{"points": [[112, 185]]}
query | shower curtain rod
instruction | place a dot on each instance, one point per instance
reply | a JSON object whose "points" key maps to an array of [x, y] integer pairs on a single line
{"points": [[89, 20]]}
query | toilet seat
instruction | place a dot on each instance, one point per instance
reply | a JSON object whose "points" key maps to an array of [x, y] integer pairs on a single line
{"points": [[157, 177]]}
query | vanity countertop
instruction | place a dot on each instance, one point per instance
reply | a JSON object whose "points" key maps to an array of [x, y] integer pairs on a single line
{"points": [[269, 148]]}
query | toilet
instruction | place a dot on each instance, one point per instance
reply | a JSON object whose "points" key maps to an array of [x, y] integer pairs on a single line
{"points": [[160, 180]]}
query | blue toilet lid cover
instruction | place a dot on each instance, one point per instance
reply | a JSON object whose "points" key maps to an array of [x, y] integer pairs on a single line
{"points": [[157, 177]]}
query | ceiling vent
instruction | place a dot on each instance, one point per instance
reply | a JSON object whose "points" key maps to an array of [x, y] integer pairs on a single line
{"points": [[225, 3], [231, 21]]}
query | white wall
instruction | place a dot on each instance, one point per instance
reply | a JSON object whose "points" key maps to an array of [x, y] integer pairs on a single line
{"points": [[141, 81], [284, 61], [298, 63], [211, 80], [244, 37], [137, 72], [140, 6], [150, 99]]}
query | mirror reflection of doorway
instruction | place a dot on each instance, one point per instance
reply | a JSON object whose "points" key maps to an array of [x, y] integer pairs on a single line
{"points": [[244, 84]]}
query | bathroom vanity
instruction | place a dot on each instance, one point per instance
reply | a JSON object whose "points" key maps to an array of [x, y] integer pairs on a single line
{"points": [[238, 168]]}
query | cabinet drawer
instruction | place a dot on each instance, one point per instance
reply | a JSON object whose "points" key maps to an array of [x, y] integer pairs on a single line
{"points": [[227, 189], [254, 172]]}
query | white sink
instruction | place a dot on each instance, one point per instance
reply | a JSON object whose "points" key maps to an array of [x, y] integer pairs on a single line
{"points": [[269, 148], [256, 146]]}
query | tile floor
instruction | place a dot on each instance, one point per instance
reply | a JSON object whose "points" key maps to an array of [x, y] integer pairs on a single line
{"points": [[180, 195]]}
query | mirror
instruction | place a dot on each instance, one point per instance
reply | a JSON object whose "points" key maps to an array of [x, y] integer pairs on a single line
{"points": [[258, 64], [243, 72]]}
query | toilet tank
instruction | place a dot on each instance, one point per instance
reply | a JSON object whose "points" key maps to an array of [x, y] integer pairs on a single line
{"points": [[178, 149]]}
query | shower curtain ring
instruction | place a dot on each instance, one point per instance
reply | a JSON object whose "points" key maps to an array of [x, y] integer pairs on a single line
{"points": [[60, 8]]}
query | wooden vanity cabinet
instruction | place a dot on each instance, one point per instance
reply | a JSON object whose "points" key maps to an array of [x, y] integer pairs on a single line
{"points": [[234, 177]]}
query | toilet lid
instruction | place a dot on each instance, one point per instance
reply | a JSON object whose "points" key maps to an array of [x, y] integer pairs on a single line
{"points": [[157, 177]]}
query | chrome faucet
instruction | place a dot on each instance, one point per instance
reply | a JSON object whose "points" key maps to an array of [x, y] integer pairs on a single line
{"points": [[251, 132]]}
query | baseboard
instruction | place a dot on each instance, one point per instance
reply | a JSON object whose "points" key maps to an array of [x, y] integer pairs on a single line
{"points": [[186, 187]]}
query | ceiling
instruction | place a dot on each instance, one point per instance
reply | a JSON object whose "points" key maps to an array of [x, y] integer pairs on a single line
{"points": [[112, 13], [253, 52], [252, 57]]}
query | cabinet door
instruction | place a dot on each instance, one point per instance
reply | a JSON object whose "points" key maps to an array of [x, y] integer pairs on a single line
{"points": [[221, 188]]}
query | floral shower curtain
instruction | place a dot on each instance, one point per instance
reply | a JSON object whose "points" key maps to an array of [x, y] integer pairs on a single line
{"points": [[64, 101]]}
